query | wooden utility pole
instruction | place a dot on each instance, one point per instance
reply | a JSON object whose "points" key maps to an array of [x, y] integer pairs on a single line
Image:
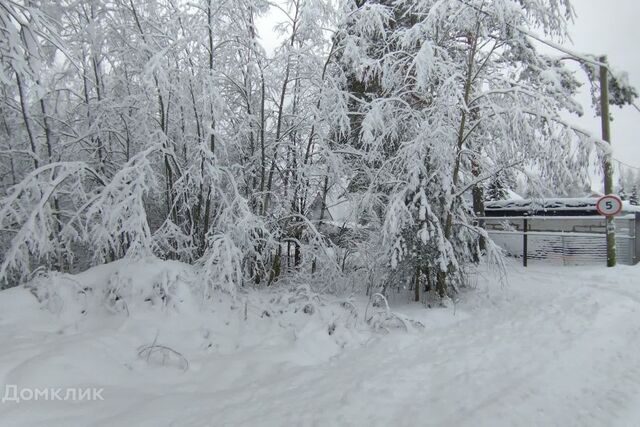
{"points": [[608, 170]]}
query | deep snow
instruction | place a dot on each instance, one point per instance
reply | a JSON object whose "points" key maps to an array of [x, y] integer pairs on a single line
{"points": [[553, 346]]}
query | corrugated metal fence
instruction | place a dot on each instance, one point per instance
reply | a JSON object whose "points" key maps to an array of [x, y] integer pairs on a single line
{"points": [[555, 240]]}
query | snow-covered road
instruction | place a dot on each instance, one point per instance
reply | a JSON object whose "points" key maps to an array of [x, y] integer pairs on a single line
{"points": [[555, 346]]}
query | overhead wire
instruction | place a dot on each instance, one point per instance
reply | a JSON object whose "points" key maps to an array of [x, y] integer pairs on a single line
{"points": [[626, 165], [574, 55]]}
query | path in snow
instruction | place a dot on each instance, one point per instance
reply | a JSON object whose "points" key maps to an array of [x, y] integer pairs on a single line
{"points": [[556, 346]]}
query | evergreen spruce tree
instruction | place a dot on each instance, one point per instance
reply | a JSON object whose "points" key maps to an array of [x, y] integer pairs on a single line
{"points": [[633, 198], [622, 192], [496, 190]]}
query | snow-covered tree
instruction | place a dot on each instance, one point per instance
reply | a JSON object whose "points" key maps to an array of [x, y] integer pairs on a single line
{"points": [[633, 197], [130, 128], [497, 189], [444, 95]]}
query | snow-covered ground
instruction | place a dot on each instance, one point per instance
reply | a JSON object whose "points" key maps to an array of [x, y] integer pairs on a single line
{"points": [[553, 346]]}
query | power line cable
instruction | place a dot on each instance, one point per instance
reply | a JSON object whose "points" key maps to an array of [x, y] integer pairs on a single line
{"points": [[574, 55], [578, 56], [626, 164]]}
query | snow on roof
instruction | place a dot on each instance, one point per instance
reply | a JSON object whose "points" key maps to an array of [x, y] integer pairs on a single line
{"points": [[628, 207], [341, 210], [514, 196], [543, 204], [584, 204]]}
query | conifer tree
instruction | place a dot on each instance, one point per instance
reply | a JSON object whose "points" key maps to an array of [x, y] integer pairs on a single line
{"points": [[496, 190], [633, 198]]}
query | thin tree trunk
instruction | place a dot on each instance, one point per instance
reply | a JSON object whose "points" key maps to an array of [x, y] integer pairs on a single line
{"points": [[27, 122], [478, 201], [14, 178], [283, 93], [441, 285]]}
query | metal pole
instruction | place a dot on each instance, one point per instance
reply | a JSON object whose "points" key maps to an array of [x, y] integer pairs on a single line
{"points": [[525, 243], [608, 170], [636, 239]]}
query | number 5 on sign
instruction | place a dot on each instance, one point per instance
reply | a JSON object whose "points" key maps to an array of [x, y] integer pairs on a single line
{"points": [[609, 205]]}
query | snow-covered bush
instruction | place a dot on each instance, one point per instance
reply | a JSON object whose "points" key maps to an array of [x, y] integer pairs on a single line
{"points": [[120, 288]]}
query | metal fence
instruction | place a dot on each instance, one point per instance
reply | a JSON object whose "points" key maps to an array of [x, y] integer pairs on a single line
{"points": [[565, 240]]}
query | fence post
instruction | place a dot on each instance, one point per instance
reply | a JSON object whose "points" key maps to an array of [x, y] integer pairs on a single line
{"points": [[525, 242], [636, 238]]}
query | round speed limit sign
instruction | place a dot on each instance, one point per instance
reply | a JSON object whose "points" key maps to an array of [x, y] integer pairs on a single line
{"points": [[609, 205]]}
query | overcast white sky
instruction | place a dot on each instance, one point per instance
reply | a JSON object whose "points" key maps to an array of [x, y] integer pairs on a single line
{"points": [[613, 28], [610, 27]]}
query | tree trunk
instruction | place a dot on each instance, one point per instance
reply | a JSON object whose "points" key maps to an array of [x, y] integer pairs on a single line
{"points": [[441, 284]]}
